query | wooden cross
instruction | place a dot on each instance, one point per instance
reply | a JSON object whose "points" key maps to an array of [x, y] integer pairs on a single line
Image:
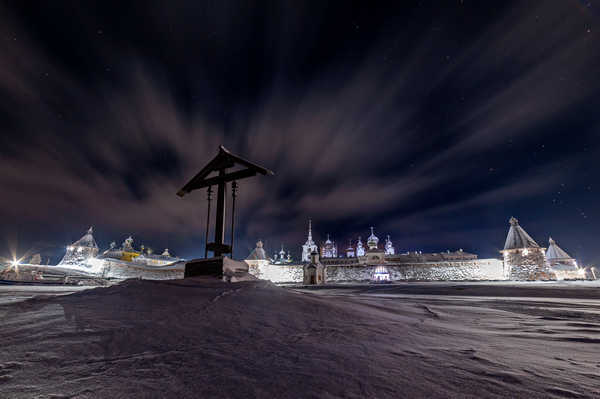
{"points": [[223, 161]]}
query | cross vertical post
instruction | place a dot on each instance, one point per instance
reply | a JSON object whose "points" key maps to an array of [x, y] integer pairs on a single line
{"points": [[209, 195], [234, 187]]}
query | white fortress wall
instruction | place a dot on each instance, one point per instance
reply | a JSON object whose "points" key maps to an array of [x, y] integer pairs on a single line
{"points": [[569, 275], [476, 270], [120, 269], [278, 273]]}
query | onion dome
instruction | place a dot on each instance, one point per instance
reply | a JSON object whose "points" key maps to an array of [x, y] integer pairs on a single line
{"points": [[372, 243], [328, 240], [166, 253], [350, 247], [282, 253]]}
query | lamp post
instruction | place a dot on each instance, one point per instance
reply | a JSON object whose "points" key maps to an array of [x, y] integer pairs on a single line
{"points": [[594, 273]]}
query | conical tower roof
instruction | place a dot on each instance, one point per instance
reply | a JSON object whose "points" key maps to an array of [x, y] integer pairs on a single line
{"points": [[555, 253], [86, 241], [259, 253], [517, 237]]}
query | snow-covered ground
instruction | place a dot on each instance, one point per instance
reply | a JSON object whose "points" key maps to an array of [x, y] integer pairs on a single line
{"points": [[202, 337]]}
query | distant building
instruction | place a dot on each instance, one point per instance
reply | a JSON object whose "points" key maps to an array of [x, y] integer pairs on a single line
{"points": [[81, 251], [282, 259], [350, 251], [329, 249], [309, 247], [314, 271], [523, 257], [389, 249], [360, 250], [128, 254], [374, 264], [258, 257], [563, 265]]}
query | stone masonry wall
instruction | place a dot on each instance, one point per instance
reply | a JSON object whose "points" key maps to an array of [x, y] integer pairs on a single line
{"points": [[480, 270], [533, 266]]}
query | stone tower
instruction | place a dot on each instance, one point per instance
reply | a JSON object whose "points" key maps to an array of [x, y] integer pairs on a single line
{"points": [[523, 258], [81, 251]]}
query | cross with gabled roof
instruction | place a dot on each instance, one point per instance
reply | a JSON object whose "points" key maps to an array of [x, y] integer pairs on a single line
{"points": [[220, 164]]}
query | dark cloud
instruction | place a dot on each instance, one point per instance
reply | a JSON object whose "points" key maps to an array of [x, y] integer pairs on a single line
{"points": [[432, 123]]}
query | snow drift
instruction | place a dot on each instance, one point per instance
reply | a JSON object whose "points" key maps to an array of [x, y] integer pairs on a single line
{"points": [[203, 337]]}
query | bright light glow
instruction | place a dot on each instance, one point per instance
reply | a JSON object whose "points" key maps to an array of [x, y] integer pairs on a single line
{"points": [[95, 265], [525, 252], [15, 262]]}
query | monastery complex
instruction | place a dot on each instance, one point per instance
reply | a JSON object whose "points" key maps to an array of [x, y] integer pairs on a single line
{"points": [[522, 259]]}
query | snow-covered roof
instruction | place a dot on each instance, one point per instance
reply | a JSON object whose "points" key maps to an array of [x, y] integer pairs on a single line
{"points": [[518, 238], [259, 253], [86, 241], [562, 266], [555, 253]]}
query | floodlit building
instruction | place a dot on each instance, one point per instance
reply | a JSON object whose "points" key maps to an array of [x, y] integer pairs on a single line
{"points": [[372, 264], [329, 249], [81, 251], [258, 257], [350, 253], [523, 257], [309, 247], [360, 250], [389, 249], [563, 265]]}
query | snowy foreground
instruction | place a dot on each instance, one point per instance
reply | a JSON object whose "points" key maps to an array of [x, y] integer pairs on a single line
{"points": [[201, 337]]}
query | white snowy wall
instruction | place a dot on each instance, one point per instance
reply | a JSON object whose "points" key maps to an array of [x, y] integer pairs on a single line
{"points": [[120, 270], [478, 270], [483, 269], [278, 273]]}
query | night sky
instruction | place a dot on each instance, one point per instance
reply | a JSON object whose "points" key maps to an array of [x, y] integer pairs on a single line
{"points": [[433, 122]]}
